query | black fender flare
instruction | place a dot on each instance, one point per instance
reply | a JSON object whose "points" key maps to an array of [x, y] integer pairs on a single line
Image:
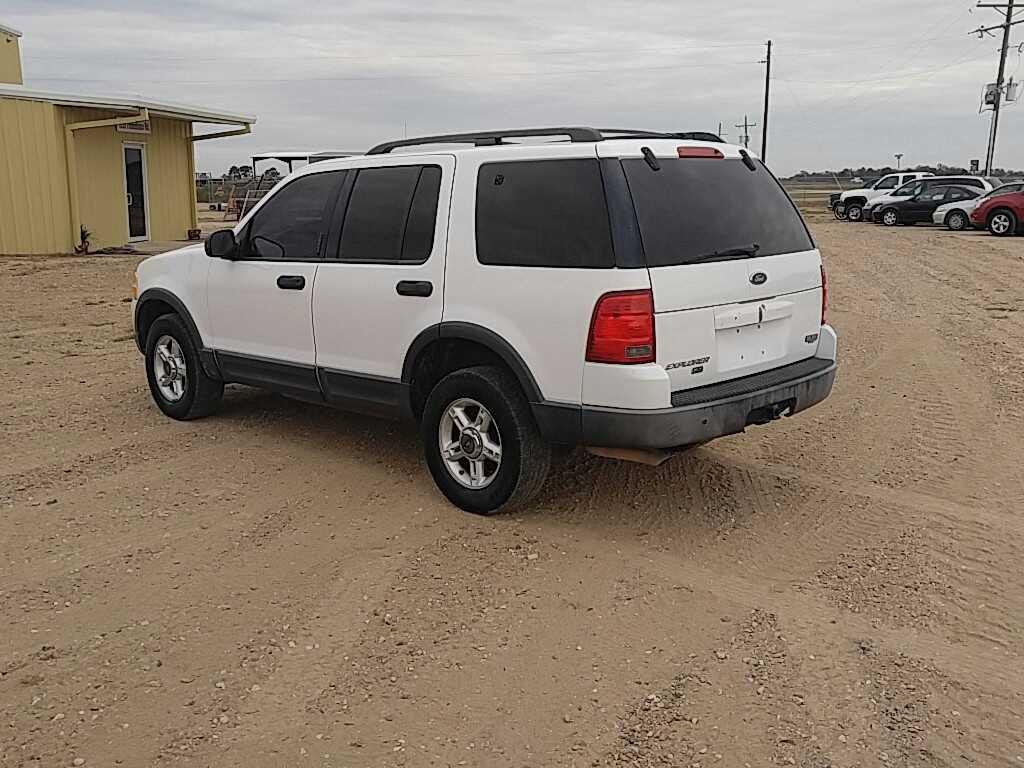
{"points": [[482, 336], [161, 294]]}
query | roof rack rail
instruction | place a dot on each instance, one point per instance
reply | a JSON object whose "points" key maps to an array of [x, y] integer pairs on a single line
{"points": [[629, 133], [488, 138]]}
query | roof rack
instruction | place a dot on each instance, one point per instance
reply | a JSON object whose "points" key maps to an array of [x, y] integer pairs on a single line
{"points": [[495, 138], [630, 133], [488, 138]]}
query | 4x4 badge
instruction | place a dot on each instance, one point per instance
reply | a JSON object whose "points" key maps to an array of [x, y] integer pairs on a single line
{"points": [[759, 278]]}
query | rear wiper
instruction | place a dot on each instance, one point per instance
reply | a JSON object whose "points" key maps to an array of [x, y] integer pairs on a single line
{"points": [[730, 253]]}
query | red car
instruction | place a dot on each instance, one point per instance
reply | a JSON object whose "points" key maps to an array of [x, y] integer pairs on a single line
{"points": [[1000, 214]]}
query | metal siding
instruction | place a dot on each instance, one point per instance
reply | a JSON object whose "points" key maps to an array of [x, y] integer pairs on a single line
{"points": [[34, 208], [101, 192]]}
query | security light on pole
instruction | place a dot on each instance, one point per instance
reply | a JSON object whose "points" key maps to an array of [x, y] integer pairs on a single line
{"points": [[899, 157]]}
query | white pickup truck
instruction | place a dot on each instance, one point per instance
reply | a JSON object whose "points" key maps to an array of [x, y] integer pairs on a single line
{"points": [[849, 205]]}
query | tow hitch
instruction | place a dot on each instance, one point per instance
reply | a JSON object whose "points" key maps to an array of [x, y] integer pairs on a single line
{"points": [[771, 412]]}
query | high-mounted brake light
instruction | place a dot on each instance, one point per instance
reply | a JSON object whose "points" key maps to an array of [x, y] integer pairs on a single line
{"points": [[824, 295], [700, 152], [622, 329]]}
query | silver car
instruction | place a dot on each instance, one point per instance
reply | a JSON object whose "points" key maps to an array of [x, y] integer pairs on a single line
{"points": [[957, 215]]}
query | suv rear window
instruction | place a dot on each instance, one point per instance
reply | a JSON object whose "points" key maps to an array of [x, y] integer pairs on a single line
{"points": [[542, 213], [692, 208]]}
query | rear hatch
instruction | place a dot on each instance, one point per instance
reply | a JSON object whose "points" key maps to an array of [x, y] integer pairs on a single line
{"points": [[736, 277]]}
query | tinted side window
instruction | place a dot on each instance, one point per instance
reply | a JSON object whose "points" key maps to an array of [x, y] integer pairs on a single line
{"points": [[391, 214], [542, 213], [888, 183], [293, 222]]}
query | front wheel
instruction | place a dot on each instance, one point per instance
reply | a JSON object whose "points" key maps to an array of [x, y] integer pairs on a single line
{"points": [[854, 212], [890, 218], [177, 381], [956, 221], [839, 211], [482, 445], [1002, 223]]}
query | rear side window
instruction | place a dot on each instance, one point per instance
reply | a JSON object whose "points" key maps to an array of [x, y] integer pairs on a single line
{"points": [[292, 224], [542, 213], [391, 214], [695, 209], [887, 183]]}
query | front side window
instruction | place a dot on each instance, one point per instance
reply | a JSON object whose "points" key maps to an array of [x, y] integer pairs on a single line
{"points": [[906, 190], [542, 213], [292, 224], [961, 194], [889, 182], [391, 214]]}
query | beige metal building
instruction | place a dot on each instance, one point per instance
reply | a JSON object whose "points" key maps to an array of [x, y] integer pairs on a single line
{"points": [[121, 168]]}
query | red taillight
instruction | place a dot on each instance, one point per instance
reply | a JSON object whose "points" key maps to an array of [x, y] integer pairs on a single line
{"points": [[622, 328], [824, 295], [699, 152]]}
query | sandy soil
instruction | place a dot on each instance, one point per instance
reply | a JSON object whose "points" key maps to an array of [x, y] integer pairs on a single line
{"points": [[281, 584]]}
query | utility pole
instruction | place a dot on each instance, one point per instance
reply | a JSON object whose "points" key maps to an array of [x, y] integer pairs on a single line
{"points": [[998, 95], [746, 125], [767, 86]]}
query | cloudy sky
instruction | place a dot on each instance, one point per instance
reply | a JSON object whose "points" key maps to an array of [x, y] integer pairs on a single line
{"points": [[852, 83]]}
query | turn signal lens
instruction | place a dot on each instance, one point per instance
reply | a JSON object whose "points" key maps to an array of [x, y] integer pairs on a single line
{"points": [[622, 329]]}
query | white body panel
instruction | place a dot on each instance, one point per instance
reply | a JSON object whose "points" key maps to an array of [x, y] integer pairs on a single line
{"points": [[360, 322], [250, 315], [543, 313], [181, 272]]}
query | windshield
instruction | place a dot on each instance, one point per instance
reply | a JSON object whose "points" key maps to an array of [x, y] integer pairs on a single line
{"points": [[705, 210], [906, 190]]}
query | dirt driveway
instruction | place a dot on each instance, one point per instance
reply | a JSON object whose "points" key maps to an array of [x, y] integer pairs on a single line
{"points": [[281, 585]]}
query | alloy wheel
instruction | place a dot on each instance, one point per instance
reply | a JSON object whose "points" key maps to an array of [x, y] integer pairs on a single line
{"points": [[170, 369], [470, 443]]}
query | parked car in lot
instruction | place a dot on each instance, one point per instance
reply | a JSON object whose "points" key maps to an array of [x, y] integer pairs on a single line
{"points": [[920, 207], [919, 186], [957, 215], [849, 205], [507, 297], [1000, 214]]}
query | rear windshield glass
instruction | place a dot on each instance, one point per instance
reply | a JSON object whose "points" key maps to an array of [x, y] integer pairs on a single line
{"points": [[693, 208]]}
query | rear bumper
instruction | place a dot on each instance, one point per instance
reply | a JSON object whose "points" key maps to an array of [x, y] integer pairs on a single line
{"points": [[719, 410]]}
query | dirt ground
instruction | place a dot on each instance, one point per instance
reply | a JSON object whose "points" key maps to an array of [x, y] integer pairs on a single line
{"points": [[281, 585]]}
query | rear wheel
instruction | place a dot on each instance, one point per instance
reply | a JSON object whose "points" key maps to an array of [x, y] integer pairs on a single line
{"points": [[890, 217], [956, 221], [1002, 223], [177, 381], [854, 212], [482, 445]]}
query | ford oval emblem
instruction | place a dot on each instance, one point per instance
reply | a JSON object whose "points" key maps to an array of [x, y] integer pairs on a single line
{"points": [[759, 278]]}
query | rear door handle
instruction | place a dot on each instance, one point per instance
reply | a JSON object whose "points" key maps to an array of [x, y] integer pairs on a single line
{"points": [[291, 282], [414, 288]]}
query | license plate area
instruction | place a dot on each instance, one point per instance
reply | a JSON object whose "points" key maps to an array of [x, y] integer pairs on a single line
{"points": [[750, 345]]}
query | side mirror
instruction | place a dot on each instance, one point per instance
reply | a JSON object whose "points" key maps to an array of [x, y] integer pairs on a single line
{"points": [[222, 244]]}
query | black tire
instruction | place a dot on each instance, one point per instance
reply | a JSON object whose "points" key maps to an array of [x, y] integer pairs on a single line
{"points": [[854, 212], [957, 221], [525, 456], [839, 211], [996, 218], [202, 395], [891, 217]]}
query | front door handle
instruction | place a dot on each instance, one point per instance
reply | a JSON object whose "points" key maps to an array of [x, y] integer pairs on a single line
{"points": [[414, 288], [291, 282]]}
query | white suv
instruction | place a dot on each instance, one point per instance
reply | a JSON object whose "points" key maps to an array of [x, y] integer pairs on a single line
{"points": [[631, 292]]}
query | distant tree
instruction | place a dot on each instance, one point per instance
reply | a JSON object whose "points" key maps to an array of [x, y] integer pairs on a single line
{"points": [[273, 173]]}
